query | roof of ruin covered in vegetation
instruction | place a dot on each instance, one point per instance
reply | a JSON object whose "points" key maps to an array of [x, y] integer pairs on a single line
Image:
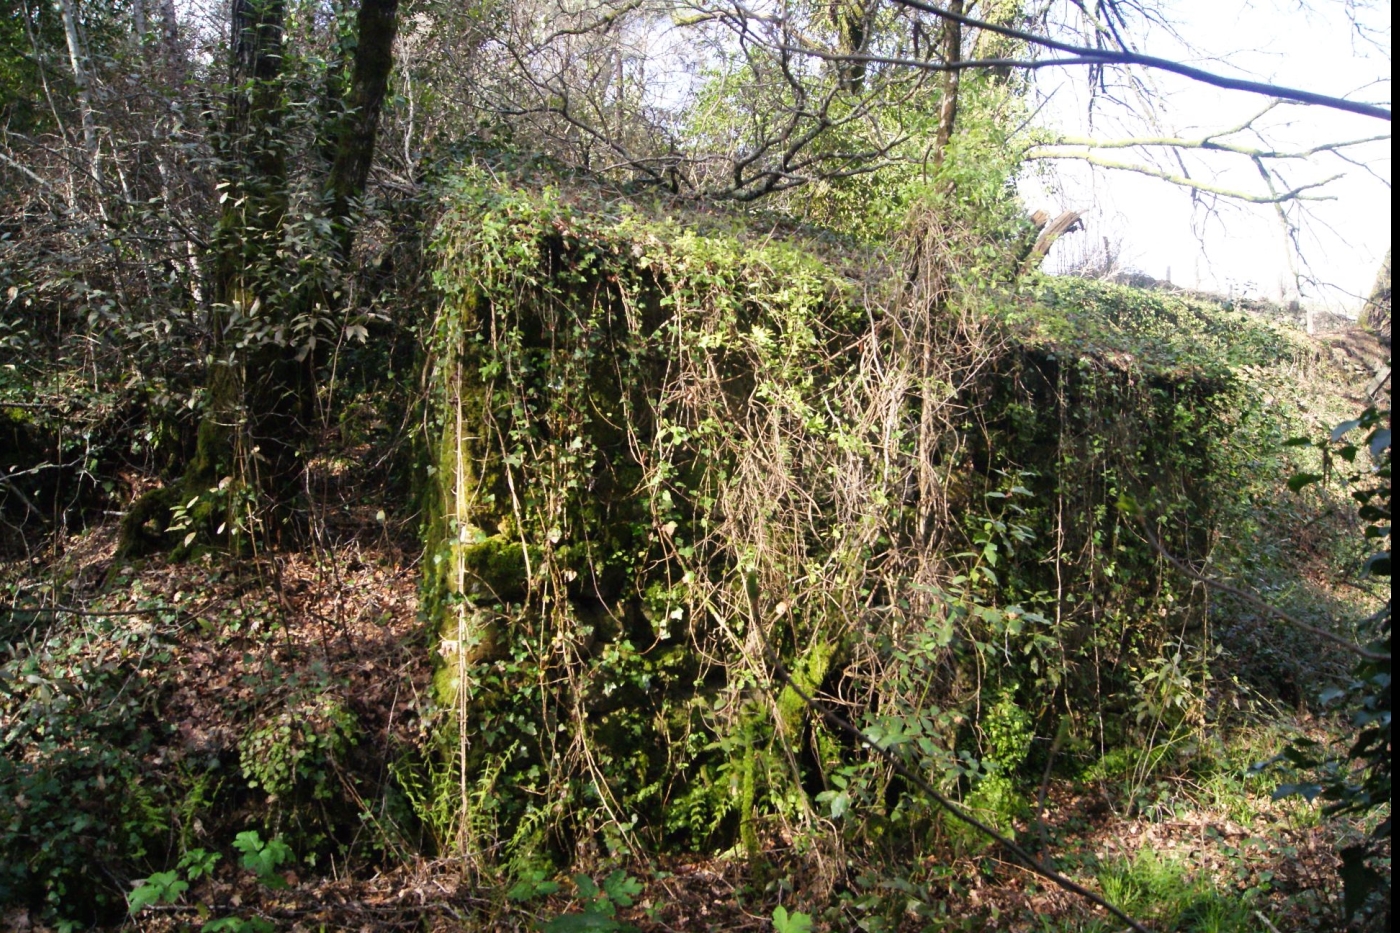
{"points": [[1159, 332]]}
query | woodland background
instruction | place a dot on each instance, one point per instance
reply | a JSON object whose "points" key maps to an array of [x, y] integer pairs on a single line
{"points": [[619, 465]]}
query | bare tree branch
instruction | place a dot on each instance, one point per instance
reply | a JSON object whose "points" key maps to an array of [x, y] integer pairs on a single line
{"points": [[1124, 57], [1086, 154], [1210, 144]]}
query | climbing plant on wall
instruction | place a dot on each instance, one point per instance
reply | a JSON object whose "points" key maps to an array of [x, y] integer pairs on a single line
{"points": [[662, 444]]}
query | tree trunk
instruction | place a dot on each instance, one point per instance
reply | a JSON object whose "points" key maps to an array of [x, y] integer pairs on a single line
{"points": [[248, 467], [205, 504], [377, 24], [251, 433], [948, 112], [76, 57], [852, 21]]}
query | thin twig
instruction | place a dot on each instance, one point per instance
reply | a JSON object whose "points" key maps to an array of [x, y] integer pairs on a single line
{"points": [[19, 493]]}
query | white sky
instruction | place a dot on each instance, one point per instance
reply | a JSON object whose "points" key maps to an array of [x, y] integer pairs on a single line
{"points": [[1159, 229]]}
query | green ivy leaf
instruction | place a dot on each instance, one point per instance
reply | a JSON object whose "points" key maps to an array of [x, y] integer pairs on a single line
{"points": [[794, 922]]}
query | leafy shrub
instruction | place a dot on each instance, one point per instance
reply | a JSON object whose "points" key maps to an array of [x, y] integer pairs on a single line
{"points": [[1356, 778], [79, 805], [996, 797], [599, 904], [298, 750], [262, 858], [298, 758], [162, 887]]}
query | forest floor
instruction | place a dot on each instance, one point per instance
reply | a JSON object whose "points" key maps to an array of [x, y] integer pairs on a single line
{"points": [[217, 644], [215, 647]]}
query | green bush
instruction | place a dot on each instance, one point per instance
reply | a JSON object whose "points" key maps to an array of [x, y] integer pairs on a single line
{"points": [[80, 806], [298, 750]]}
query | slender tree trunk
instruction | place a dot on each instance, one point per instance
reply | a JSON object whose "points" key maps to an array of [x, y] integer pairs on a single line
{"points": [[175, 67], [252, 172], [374, 59], [948, 112], [77, 60], [259, 389], [171, 51]]}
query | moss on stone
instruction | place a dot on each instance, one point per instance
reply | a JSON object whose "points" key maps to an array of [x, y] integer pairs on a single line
{"points": [[143, 529], [605, 379], [497, 568], [807, 675]]}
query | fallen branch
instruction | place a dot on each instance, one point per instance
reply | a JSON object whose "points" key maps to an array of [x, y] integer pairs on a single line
{"points": [[1256, 601]]}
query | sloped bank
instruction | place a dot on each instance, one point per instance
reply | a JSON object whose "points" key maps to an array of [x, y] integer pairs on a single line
{"points": [[662, 445]]}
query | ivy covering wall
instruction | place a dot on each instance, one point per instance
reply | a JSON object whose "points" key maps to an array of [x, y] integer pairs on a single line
{"points": [[667, 445]]}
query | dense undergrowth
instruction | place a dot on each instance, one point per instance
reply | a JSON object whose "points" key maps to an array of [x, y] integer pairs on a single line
{"points": [[705, 445], [662, 452]]}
